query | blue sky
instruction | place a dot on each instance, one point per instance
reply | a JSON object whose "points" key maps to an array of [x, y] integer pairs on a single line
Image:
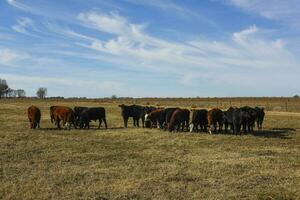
{"points": [[157, 48]]}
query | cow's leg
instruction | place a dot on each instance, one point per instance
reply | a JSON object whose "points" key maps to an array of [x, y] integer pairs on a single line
{"points": [[100, 121], [58, 123], [104, 120], [38, 124], [138, 122], [143, 122], [214, 127], [125, 121]]}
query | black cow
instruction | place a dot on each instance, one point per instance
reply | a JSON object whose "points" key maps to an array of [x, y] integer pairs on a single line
{"points": [[199, 118], [260, 115], [250, 115], [235, 118], [134, 111], [97, 113], [165, 117], [77, 111]]}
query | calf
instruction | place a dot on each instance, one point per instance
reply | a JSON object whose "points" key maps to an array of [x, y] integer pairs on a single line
{"points": [[34, 116], [153, 117], [146, 110], [180, 117], [199, 118], [134, 111], [97, 113], [214, 118]]}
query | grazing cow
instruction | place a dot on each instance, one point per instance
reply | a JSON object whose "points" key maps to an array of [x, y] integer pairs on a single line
{"points": [[165, 117], [250, 116], [180, 117], [134, 111], [89, 114], [214, 118], [34, 116], [64, 114], [77, 111], [260, 115], [199, 118], [235, 117], [153, 117], [146, 110]]}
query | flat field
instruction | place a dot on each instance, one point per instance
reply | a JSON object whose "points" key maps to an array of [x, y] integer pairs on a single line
{"points": [[137, 163]]}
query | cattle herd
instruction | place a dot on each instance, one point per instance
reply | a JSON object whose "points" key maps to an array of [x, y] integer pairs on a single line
{"points": [[235, 120]]}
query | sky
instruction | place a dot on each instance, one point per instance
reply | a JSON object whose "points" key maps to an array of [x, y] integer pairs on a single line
{"points": [[157, 48]]}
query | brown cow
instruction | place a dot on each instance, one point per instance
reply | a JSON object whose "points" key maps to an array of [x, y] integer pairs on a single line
{"points": [[154, 117], [62, 113], [34, 116], [214, 117], [180, 117]]}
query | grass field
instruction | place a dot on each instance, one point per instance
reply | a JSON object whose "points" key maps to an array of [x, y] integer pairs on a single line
{"points": [[137, 163]]}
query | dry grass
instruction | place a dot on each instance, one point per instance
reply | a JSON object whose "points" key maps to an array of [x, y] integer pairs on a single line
{"points": [[138, 163]]}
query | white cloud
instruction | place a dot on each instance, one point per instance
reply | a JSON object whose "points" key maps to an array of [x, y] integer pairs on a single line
{"points": [[18, 4], [249, 48], [8, 56]]}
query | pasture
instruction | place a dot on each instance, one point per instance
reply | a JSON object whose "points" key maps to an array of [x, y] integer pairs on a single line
{"points": [[137, 163]]}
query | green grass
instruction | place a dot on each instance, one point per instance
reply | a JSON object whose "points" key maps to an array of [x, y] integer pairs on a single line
{"points": [[137, 163]]}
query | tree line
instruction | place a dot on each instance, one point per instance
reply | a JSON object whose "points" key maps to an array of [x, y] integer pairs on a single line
{"points": [[7, 92]]}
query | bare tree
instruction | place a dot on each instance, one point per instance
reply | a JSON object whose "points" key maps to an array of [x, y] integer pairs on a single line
{"points": [[20, 93], [3, 88], [41, 92]]}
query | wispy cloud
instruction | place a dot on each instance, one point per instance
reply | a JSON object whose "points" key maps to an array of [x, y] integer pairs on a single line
{"points": [[287, 11], [7, 56], [101, 42], [22, 26], [247, 48]]}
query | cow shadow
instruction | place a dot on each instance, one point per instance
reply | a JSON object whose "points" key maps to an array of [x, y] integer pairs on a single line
{"points": [[282, 133]]}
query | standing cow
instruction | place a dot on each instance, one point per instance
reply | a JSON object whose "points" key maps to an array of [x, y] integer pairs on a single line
{"points": [[153, 117], [64, 114], [260, 115], [77, 111], [34, 116], [199, 118], [214, 118], [235, 118], [250, 116], [179, 118], [134, 111], [97, 113]]}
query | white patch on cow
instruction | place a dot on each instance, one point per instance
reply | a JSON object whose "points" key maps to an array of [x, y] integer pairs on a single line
{"points": [[146, 117], [191, 127], [67, 125]]}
